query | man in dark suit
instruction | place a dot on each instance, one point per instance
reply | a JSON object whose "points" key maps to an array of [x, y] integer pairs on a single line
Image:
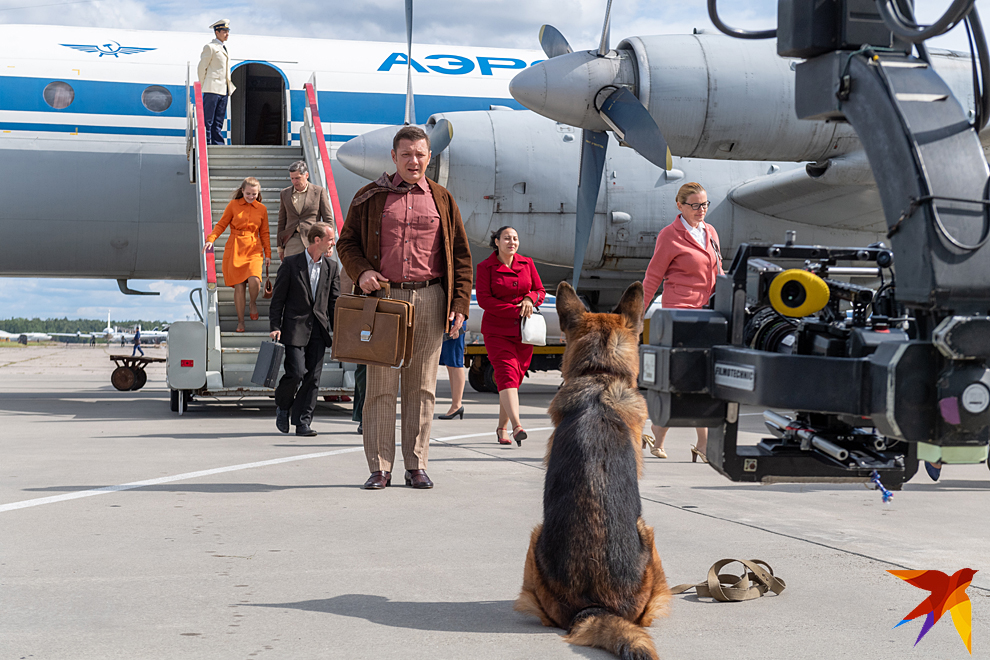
{"points": [[301, 315], [301, 204]]}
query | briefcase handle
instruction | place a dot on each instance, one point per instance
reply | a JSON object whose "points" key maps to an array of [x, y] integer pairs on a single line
{"points": [[386, 286]]}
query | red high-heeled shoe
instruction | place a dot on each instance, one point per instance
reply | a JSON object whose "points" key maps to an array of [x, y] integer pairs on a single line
{"points": [[519, 434], [498, 434]]}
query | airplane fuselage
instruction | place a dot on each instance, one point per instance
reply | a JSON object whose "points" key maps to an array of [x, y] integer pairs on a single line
{"points": [[93, 131]]}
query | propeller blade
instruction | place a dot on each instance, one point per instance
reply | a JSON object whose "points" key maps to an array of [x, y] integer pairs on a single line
{"points": [[593, 147], [440, 136], [603, 48], [553, 42], [634, 127], [410, 108]]}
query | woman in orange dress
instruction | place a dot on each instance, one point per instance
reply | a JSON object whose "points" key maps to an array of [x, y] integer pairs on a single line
{"points": [[245, 252]]}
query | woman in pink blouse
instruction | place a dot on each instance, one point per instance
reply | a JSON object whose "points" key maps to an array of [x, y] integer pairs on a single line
{"points": [[686, 261]]}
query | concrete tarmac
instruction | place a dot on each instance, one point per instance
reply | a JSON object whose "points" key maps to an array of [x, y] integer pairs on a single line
{"points": [[127, 531]]}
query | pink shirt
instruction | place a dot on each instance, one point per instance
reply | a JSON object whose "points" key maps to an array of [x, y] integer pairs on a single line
{"points": [[411, 244], [686, 269]]}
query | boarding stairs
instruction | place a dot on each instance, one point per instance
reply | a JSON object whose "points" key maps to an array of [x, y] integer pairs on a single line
{"points": [[217, 172]]}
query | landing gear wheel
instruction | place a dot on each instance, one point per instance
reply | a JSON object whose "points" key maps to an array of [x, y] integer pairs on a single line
{"points": [[140, 378], [490, 378], [476, 374], [123, 378], [477, 379], [173, 400]]}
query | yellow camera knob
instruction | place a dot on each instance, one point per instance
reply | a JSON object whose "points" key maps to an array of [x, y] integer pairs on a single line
{"points": [[798, 293]]}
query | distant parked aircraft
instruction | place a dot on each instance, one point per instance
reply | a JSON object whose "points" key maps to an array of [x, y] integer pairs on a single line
{"points": [[112, 334]]}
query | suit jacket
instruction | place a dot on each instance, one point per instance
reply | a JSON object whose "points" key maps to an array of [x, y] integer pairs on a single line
{"points": [[501, 288], [686, 269], [294, 310], [316, 206], [214, 69]]}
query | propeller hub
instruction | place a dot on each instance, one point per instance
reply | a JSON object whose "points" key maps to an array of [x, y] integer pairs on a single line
{"points": [[564, 88]]}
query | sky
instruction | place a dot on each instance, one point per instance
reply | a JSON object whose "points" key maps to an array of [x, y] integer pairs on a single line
{"points": [[493, 23]]}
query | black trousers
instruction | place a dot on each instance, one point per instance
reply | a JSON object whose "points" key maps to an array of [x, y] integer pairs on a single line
{"points": [[360, 387], [299, 387], [214, 116]]}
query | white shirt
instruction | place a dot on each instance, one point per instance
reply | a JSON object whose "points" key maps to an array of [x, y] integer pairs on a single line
{"points": [[314, 272], [698, 232]]}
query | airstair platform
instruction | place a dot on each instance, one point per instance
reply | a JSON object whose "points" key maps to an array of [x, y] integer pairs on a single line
{"points": [[228, 167], [208, 357]]}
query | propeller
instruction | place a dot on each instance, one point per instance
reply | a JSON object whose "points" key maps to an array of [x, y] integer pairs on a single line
{"points": [[368, 154], [410, 105], [622, 112], [553, 42]]}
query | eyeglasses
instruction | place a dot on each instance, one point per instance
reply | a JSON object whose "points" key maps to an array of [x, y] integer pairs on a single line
{"points": [[697, 207]]}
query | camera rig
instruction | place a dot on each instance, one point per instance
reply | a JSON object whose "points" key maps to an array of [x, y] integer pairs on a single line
{"points": [[876, 378]]}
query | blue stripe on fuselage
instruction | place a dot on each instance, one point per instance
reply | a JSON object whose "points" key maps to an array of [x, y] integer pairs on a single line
{"points": [[91, 97], [105, 130], [124, 99]]}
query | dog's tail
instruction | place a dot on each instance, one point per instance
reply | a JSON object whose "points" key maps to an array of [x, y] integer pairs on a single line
{"points": [[597, 627]]}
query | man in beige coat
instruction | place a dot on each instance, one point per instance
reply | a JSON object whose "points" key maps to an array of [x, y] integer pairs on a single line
{"points": [[214, 76], [302, 205]]}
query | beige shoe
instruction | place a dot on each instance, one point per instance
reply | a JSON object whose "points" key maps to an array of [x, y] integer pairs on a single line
{"points": [[658, 452]]}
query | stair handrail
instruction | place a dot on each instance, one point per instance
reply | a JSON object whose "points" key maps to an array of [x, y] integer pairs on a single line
{"points": [[203, 187], [205, 220], [321, 143], [190, 129]]}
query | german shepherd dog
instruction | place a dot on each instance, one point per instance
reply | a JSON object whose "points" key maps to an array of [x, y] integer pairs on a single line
{"points": [[592, 567]]}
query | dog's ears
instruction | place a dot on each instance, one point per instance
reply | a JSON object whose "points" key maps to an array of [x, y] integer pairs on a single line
{"points": [[630, 307], [570, 309]]}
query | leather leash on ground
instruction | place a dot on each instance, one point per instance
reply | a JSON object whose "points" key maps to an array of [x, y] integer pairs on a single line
{"points": [[727, 587]]}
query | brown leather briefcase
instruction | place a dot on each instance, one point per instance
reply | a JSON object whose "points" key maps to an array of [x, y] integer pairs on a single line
{"points": [[373, 330]]}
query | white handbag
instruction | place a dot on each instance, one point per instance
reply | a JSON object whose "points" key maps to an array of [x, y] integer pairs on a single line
{"points": [[534, 329]]}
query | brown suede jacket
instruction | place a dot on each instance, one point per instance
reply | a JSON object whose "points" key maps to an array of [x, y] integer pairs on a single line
{"points": [[359, 243]]}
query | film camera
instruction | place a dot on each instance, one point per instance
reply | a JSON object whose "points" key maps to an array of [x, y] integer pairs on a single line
{"points": [[868, 393], [877, 378]]}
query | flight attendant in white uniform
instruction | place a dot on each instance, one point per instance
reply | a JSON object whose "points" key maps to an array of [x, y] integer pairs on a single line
{"points": [[214, 76]]}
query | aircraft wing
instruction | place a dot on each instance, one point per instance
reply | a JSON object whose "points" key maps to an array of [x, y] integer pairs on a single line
{"points": [[839, 194]]}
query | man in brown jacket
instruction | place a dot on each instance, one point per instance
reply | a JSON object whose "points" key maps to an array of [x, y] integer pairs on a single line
{"points": [[407, 230], [303, 204]]}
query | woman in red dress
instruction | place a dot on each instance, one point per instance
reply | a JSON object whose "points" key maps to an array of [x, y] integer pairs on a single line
{"points": [[508, 289]]}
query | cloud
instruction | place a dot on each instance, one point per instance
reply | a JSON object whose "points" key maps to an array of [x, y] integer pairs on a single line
{"points": [[505, 23], [494, 23], [91, 299]]}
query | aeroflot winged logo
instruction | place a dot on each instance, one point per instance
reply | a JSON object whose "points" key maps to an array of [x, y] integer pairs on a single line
{"points": [[109, 48], [948, 594]]}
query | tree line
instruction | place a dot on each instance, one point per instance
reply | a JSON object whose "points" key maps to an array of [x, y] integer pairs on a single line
{"points": [[15, 325]]}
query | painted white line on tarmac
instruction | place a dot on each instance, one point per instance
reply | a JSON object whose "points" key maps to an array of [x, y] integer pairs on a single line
{"points": [[13, 506]]}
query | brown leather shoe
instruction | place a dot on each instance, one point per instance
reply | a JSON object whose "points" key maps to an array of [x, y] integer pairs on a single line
{"points": [[418, 479], [378, 480]]}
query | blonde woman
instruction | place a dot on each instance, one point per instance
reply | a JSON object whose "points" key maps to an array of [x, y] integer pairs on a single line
{"points": [[686, 260], [248, 248]]}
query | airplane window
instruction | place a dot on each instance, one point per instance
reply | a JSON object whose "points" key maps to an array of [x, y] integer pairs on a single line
{"points": [[59, 95], [156, 98]]}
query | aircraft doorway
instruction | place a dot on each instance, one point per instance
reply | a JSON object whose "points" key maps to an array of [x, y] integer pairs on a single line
{"points": [[257, 107]]}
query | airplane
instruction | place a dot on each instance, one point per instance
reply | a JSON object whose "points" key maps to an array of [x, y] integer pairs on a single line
{"points": [[714, 97], [112, 334], [109, 127], [24, 337]]}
